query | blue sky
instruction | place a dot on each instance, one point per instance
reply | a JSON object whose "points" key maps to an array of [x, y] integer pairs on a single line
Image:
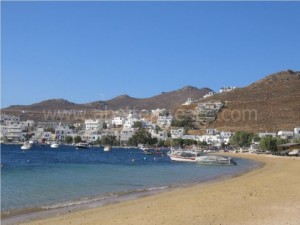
{"points": [[88, 51]]}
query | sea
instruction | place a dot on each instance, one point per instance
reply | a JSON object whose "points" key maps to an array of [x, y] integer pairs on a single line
{"points": [[46, 178]]}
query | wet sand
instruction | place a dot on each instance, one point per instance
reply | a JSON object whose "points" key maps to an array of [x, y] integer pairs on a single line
{"points": [[269, 195]]}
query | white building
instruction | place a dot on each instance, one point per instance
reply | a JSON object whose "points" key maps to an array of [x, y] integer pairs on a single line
{"points": [[265, 134], [61, 131], [160, 135], [27, 124], [91, 136], [9, 119], [297, 132], [164, 121], [47, 136], [188, 101], [158, 112], [13, 132], [126, 134], [93, 125], [227, 89], [129, 123], [212, 131], [118, 121], [285, 134], [211, 138], [211, 93], [225, 136], [177, 133], [190, 137]]}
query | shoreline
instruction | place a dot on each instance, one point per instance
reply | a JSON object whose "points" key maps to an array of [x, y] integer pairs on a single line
{"points": [[38, 213], [267, 195]]}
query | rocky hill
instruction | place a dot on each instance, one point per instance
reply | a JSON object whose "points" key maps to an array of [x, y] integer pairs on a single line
{"points": [[270, 104]]}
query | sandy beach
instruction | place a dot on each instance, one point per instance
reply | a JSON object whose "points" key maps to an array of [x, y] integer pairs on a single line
{"points": [[268, 195]]}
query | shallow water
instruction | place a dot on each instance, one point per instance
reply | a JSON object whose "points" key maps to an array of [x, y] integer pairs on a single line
{"points": [[50, 178]]}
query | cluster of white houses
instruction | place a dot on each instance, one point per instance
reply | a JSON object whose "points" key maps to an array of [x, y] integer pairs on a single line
{"points": [[123, 127]]}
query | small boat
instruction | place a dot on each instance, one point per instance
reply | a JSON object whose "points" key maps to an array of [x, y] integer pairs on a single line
{"points": [[26, 146], [214, 160], [54, 145], [183, 156], [107, 148], [153, 151], [82, 145]]}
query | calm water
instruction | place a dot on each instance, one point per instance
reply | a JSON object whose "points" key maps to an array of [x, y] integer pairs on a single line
{"points": [[45, 177]]}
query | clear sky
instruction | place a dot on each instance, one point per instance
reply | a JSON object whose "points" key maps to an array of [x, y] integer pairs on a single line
{"points": [[88, 51]]}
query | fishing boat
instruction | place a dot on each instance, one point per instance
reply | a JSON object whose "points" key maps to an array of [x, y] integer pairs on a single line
{"points": [[107, 148], [26, 146], [82, 145], [214, 160], [183, 156]]}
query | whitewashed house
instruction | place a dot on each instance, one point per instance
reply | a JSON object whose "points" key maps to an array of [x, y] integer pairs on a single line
{"points": [[225, 136], [160, 135], [297, 132], [177, 133], [93, 125], [61, 131], [126, 134], [227, 89], [9, 119], [25, 125], [118, 121], [211, 93], [164, 121], [265, 134], [188, 101], [13, 132], [47, 136], [285, 134], [211, 139]]}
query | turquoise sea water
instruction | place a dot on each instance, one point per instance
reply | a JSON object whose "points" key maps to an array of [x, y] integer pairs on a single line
{"points": [[48, 178]]}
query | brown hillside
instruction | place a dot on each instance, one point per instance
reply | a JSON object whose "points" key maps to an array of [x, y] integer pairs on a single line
{"points": [[168, 100], [273, 102]]}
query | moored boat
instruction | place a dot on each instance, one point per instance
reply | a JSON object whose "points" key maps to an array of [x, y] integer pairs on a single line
{"points": [[82, 145], [107, 148], [54, 145], [26, 146], [214, 160], [183, 156]]}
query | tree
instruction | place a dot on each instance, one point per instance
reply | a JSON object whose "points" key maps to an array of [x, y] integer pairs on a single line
{"points": [[104, 125], [109, 140], [241, 139], [271, 143], [69, 139], [185, 121], [77, 139], [138, 124], [142, 137], [268, 143]]}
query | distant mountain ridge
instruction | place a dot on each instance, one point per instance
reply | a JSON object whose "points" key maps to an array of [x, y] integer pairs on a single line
{"points": [[167, 100]]}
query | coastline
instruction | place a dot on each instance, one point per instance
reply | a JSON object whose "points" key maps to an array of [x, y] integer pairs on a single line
{"points": [[36, 213], [268, 195]]}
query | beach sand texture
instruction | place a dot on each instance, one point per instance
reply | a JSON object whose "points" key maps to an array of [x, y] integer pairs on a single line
{"points": [[269, 195]]}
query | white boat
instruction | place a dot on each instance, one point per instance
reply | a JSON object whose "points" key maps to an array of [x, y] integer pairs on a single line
{"points": [[26, 146], [183, 156], [214, 160], [54, 145], [107, 148]]}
